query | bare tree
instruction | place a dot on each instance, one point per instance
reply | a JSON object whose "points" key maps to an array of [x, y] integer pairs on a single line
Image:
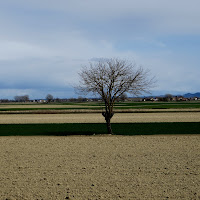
{"points": [[49, 97], [168, 97], [110, 79], [23, 98]]}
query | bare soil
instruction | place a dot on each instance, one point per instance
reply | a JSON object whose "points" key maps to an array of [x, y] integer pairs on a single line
{"points": [[80, 110], [100, 167], [39, 106], [98, 118]]}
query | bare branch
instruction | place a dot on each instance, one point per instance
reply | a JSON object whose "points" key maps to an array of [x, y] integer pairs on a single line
{"points": [[111, 78]]}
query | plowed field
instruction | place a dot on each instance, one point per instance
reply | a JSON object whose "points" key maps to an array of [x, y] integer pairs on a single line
{"points": [[98, 118], [100, 167]]}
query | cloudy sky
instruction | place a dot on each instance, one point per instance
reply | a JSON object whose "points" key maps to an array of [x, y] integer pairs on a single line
{"points": [[44, 43]]}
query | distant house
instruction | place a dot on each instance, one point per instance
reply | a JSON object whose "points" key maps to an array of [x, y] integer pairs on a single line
{"points": [[148, 99], [196, 99], [42, 101], [39, 101], [181, 98]]}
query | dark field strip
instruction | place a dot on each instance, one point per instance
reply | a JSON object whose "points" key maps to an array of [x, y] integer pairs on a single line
{"points": [[97, 106], [99, 128]]}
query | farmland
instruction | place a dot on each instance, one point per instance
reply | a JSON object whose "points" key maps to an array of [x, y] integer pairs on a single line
{"points": [[96, 106], [100, 167], [127, 113], [153, 154], [98, 118]]}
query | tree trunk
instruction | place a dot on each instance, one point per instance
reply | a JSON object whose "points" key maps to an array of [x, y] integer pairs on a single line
{"points": [[108, 117], [109, 126]]}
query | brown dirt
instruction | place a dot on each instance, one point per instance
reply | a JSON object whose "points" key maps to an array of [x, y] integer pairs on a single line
{"points": [[98, 118], [71, 110], [100, 167], [40, 106]]}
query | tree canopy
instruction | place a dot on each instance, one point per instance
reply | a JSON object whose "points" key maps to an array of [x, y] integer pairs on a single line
{"points": [[111, 79]]}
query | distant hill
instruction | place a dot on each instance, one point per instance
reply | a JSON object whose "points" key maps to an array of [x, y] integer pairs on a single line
{"points": [[189, 95]]}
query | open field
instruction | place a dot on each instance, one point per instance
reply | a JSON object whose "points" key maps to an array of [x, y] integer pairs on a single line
{"points": [[98, 118], [100, 167], [99, 106], [25, 106]]}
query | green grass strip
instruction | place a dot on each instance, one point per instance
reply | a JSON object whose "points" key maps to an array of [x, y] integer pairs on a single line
{"points": [[100, 128]]}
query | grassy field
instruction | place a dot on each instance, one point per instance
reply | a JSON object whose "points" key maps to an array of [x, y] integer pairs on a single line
{"points": [[100, 128], [138, 118], [100, 106]]}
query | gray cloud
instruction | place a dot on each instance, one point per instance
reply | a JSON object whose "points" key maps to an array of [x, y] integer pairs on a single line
{"points": [[44, 43], [176, 16]]}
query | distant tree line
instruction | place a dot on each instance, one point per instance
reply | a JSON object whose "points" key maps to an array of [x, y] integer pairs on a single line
{"points": [[50, 99], [23, 98]]}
